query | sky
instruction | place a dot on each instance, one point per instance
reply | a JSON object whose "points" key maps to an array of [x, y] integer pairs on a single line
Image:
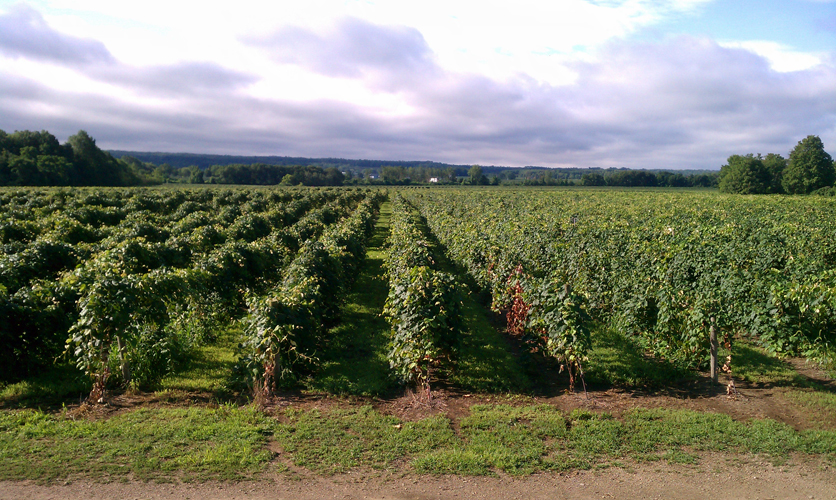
{"points": [[658, 84]]}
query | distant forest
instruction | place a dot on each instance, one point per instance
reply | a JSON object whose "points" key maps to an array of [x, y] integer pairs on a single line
{"points": [[29, 158], [421, 172]]}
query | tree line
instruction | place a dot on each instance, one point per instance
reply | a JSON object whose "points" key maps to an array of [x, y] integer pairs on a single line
{"points": [[808, 169], [643, 178], [37, 159], [29, 158]]}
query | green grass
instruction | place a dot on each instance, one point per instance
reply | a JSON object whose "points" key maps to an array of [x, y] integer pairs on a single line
{"points": [[753, 365], [616, 360], [485, 360], [229, 443], [506, 438], [208, 369], [525, 440], [354, 362], [56, 385], [341, 440], [820, 403], [148, 444]]}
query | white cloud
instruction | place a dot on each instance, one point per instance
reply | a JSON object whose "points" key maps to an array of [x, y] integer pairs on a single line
{"points": [[384, 81], [25, 34], [492, 38], [781, 58]]}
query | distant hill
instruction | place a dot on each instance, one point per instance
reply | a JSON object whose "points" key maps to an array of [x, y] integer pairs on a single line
{"points": [[203, 161]]}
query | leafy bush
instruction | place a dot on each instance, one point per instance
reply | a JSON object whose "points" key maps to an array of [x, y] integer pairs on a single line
{"points": [[424, 309], [424, 304]]}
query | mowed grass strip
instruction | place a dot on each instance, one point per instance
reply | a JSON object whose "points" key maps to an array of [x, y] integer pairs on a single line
{"points": [[617, 360], [525, 440], [226, 443], [229, 443], [209, 368]]}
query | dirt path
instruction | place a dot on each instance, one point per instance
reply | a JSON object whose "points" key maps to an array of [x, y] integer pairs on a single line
{"points": [[716, 477]]}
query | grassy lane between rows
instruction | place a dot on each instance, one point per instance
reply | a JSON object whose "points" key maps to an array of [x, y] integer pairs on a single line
{"points": [[208, 369], [485, 362], [354, 362], [615, 360], [231, 443]]}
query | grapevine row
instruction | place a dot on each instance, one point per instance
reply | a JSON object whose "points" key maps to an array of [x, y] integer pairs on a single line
{"points": [[423, 306], [132, 281], [286, 327], [664, 269]]}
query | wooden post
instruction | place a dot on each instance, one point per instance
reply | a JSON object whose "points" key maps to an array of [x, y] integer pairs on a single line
{"points": [[714, 346], [123, 359]]}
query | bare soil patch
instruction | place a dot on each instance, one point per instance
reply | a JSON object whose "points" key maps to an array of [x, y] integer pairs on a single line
{"points": [[753, 401], [716, 477]]}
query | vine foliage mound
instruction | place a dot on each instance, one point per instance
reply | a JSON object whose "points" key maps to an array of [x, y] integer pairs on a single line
{"points": [[424, 304]]}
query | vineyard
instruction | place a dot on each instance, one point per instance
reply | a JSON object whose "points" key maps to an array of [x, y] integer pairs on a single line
{"points": [[663, 268], [126, 283], [460, 331]]}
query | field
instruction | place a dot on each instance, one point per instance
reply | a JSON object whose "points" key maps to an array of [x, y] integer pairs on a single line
{"points": [[232, 334]]}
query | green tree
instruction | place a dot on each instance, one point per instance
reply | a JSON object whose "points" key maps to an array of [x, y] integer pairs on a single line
{"points": [[744, 175], [393, 174], [24, 167], [775, 164], [809, 167], [451, 174], [94, 166], [163, 172], [476, 176], [195, 174], [333, 177], [593, 179], [54, 170]]}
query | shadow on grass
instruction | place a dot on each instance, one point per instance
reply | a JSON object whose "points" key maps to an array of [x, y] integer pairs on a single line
{"points": [[486, 363], [617, 361], [209, 369], [762, 370], [486, 360], [51, 389]]}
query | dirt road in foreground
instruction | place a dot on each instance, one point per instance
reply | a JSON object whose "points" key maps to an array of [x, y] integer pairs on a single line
{"points": [[727, 481]]}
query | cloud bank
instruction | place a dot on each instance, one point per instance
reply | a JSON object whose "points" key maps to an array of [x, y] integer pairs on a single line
{"points": [[25, 34], [677, 102]]}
